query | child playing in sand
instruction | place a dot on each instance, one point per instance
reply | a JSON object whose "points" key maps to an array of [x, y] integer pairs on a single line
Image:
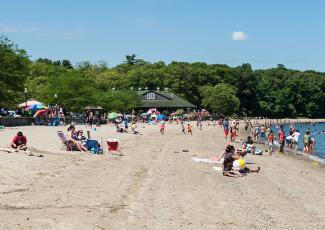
{"points": [[19, 141], [189, 129]]}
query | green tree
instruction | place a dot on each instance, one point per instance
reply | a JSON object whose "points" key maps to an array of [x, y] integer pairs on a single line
{"points": [[220, 99], [13, 72]]}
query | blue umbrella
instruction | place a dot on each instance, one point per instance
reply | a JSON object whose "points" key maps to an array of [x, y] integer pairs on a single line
{"points": [[36, 107], [161, 117]]}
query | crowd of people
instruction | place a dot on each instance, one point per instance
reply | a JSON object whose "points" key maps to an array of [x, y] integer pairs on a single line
{"points": [[234, 164], [230, 128], [265, 131]]}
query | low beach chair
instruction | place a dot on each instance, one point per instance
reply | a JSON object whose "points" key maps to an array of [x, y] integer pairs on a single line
{"points": [[63, 139]]}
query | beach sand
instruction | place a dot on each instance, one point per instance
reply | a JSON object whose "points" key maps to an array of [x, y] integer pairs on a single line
{"points": [[155, 185]]}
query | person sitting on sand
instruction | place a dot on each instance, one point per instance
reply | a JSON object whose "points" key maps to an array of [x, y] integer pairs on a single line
{"points": [[229, 158], [250, 148], [227, 166], [19, 141], [241, 152], [120, 129], [73, 139]]}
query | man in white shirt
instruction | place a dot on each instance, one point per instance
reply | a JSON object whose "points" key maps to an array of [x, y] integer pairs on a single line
{"points": [[296, 136]]}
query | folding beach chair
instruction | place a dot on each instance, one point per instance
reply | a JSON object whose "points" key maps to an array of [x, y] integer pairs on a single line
{"points": [[63, 139]]}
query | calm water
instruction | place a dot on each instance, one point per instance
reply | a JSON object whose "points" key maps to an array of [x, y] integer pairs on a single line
{"points": [[315, 130]]}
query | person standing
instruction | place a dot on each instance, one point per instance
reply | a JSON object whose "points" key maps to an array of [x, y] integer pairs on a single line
{"points": [[306, 142], [225, 125], [296, 136], [183, 127], [233, 133], [126, 123], [133, 126], [162, 127], [270, 139], [189, 129], [256, 132], [281, 138]]}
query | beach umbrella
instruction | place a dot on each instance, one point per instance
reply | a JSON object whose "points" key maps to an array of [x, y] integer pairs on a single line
{"points": [[29, 103], [112, 116], [35, 107], [40, 112], [150, 111], [161, 117]]}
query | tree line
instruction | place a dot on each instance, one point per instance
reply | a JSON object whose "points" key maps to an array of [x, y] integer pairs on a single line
{"points": [[277, 92]]}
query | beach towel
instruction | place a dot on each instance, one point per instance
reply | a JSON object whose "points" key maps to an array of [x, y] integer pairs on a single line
{"points": [[219, 169], [206, 160]]}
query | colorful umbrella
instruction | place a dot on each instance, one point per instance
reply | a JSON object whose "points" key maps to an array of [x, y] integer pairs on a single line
{"points": [[112, 116], [40, 112], [36, 107], [150, 111], [29, 103], [161, 117]]}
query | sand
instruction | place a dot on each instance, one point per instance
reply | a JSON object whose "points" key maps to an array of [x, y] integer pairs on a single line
{"points": [[155, 185]]}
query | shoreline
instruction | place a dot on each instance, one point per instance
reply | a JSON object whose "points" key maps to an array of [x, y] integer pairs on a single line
{"points": [[262, 144]]}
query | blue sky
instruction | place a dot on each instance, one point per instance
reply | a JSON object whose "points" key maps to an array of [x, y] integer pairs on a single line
{"points": [[261, 32]]}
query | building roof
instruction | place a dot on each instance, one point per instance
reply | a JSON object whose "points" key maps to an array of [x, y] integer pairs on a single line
{"points": [[167, 100]]}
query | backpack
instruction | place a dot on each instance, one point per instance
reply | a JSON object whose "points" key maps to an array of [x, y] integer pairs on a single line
{"points": [[93, 146]]}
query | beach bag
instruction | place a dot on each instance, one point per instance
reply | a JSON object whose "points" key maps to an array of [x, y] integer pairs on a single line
{"points": [[93, 146]]}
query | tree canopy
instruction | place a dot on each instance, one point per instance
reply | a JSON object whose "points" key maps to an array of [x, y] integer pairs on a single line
{"points": [[221, 98], [276, 92]]}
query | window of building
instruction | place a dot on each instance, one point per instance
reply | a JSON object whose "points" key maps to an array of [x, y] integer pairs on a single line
{"points": [[151, 96]]}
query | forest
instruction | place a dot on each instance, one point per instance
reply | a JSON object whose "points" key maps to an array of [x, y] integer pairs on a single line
{"points": [[276, 92]]}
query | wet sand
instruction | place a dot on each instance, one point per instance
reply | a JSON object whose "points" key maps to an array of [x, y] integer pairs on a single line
{"points": [[155, 185]]}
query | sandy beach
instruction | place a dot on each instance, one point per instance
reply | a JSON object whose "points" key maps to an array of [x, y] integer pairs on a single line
{"points": [[155, 185]]}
